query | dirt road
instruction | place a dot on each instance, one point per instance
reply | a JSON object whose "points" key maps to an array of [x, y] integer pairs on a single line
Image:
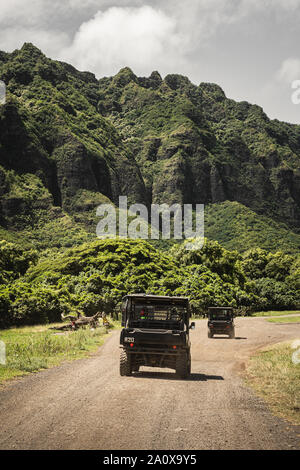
{"points": [[87, 405]]}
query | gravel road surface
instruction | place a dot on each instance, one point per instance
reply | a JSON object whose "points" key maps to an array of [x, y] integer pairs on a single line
{"points": [[85, 404]]}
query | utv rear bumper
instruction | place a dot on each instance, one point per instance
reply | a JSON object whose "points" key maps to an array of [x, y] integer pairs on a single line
{"points": [[146, 336], [150, 349], [220, 331]]}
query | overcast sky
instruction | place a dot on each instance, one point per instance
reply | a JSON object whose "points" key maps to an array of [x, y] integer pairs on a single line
{"points": [[251, 48]]}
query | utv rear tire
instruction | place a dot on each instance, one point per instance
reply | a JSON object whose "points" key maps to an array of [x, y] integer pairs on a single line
{"points": [[182, 366], [189, 363], [125, 364], [232, 334]]}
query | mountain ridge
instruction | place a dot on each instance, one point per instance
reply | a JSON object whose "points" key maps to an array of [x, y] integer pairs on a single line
{"points": [[69, 141]]}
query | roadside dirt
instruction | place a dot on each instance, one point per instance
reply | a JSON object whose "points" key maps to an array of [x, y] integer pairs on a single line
{"points": [[86, 404]]}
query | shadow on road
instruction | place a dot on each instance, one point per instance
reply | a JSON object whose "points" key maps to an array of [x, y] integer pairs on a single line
{"points": [[204, 377], [225, 337], [169, 376]]}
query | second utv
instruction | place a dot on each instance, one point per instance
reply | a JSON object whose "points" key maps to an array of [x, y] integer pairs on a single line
{"points": [[221, 321]]}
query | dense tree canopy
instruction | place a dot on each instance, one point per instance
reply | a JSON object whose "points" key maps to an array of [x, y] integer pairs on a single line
{"points": [[95, 276]]}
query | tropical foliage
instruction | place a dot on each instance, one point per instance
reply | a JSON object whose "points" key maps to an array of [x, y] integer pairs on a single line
{"points": [[95, 276]]}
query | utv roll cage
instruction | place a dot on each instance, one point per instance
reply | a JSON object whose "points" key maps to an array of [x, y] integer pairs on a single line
{"points": [[161, 312], [220, 311]]}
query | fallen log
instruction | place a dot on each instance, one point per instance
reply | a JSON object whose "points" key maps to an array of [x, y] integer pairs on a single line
{"points": [[71, 317], [80, 322]]}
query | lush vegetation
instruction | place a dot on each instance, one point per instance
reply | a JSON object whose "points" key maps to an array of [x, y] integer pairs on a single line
{"points": [[276, 378], [95, 276], [69, 142], [239, 228]]}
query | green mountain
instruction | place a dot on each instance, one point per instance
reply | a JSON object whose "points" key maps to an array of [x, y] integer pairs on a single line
{"points": [[193, 144], [69, 142]]}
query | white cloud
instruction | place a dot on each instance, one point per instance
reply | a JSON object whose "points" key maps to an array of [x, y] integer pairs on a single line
{"points": [[162, 35], [139, 37], [127, 31], [147, 37]]}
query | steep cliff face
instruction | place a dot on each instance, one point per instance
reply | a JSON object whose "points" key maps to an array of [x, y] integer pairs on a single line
{"points": [[69, 141], [50, 128], [195, 145]]}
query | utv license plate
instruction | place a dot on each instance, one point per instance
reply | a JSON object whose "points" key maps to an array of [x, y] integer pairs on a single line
{"points": [[129, 340]]}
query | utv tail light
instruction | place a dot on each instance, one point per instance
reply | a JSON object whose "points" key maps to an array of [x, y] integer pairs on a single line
{"points": [[174, 347], [131, 345]]}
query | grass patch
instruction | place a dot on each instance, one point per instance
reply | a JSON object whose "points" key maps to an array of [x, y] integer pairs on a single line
{"points": [[273, 313], [274, 376], [30, 349], [290, 319]]}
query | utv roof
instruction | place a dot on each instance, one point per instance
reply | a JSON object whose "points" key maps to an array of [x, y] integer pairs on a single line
{"points": [[156, 297]]}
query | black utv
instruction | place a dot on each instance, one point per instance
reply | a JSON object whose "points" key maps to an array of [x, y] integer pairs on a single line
{"points": [[220, 321], [155, 333]]}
